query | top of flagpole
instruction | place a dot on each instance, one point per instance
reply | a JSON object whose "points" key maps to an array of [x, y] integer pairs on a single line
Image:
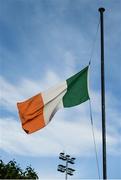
{"points": [[101, 9]]}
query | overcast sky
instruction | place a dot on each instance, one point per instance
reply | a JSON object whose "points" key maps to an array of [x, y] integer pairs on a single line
{"points": [[42, 43]]}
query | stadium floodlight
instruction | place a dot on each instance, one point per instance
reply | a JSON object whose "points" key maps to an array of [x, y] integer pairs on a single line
{"points": [[62, 156], [70, 173], [70, 169], [71, 161], [61, 168], [65, 169], [67, 156]]}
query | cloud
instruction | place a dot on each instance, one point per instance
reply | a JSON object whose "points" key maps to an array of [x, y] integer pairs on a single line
{"points": [[10, 94], [75, 138]]}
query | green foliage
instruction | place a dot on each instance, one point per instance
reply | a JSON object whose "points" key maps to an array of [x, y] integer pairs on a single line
{"points": [[11, 170]]}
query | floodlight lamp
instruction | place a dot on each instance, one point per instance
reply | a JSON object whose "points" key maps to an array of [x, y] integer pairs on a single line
{"points": [[61, 154], [71, 161], [70, 173], [63, 158], [67, 156], [70, 169], [61, 168]]}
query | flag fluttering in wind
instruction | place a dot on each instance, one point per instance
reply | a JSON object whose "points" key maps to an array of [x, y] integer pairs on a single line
{"points": [[36, 112]]}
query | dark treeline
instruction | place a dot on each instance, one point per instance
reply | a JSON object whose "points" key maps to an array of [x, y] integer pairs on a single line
{"points": [[12, 170]]}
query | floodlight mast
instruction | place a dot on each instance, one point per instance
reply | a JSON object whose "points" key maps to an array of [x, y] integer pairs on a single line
{"points": [[66, 169]]}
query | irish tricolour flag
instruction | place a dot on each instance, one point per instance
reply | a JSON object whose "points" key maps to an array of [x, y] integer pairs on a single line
{"points": [[36, 112]]}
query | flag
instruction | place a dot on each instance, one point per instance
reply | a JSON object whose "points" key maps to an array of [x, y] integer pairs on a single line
{"points": [[36, 112]]}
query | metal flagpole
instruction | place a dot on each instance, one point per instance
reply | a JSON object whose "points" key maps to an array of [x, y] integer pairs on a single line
{"points": [[101, 10]]}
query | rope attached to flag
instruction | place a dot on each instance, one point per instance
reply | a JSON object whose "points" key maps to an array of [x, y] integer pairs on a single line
{"points": [[90, 106], [94, 139]]}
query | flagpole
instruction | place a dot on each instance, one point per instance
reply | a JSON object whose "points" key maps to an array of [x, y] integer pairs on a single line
{"points": [[101, 10]]}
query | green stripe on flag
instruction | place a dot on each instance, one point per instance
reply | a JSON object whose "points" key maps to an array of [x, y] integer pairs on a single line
{"points": [[77, 89]]}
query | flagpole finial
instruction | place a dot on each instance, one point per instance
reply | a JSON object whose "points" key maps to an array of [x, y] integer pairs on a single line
{"points": [[101, 9]]}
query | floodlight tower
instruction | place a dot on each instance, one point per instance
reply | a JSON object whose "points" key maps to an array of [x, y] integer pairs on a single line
{"points": [[65, 169]]}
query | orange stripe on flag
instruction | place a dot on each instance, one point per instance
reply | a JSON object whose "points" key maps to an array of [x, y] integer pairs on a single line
{"points": [[31, 114]]}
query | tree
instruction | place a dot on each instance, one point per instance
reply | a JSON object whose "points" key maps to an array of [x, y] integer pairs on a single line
{"points": [[11, 170]]}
